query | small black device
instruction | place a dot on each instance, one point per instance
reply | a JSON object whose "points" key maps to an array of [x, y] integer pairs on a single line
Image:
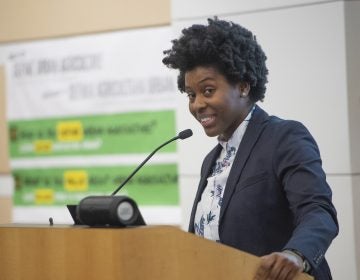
{"points": [[120, 211]]}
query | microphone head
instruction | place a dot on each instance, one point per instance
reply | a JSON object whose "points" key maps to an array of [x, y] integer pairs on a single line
{"points": [[185, 134]]}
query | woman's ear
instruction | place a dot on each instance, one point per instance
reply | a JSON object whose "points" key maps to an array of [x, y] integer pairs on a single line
{"points": [[244, 88]]}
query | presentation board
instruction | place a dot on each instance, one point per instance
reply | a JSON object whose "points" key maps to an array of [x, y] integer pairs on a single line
{"points": [[82, 113]]}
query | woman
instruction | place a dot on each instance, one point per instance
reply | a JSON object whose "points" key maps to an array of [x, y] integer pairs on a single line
{"points": [[262, 188]]}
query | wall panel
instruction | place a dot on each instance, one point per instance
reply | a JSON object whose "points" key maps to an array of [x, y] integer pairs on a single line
{"points": [[25, 20], [343, 245], [185, 9], [352, 21], [4, 159], [6, 182]]}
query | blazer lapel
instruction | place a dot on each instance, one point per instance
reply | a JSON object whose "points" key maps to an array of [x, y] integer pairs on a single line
{"points": [[253, 131], [205, 172]]}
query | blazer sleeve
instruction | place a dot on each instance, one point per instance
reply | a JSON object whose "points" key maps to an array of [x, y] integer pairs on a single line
{"points": [[298, 166]]}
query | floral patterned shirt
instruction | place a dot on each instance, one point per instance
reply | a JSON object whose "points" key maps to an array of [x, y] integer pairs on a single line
{"points": [[206, 221]]}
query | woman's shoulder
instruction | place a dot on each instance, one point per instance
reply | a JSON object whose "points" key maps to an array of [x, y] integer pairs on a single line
{"points": [[279, 124], [277, 128], [274, 121], [289, 133]]}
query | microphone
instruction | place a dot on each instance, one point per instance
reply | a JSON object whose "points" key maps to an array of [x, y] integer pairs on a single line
{"points": [[185, 134], [182, 135], [117, 210]]}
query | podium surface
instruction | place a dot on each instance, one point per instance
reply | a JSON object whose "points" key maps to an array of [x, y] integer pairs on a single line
{"points": [[154, 252]]}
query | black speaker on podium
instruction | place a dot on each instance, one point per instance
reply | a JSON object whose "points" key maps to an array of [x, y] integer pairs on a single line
{"points": [[120, 211]]}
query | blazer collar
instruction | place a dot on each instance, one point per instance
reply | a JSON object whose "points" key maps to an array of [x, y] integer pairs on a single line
{"points": [[256, 125]]}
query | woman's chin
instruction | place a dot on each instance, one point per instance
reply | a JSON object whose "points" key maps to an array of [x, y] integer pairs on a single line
{"points": [[211, 132]]}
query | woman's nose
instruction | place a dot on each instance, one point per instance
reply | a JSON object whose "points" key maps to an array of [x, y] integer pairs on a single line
{"points": [[199, 103]]}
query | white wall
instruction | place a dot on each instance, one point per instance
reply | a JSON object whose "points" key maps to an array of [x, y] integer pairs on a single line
{"points": [[309, 59], [352, 35]]}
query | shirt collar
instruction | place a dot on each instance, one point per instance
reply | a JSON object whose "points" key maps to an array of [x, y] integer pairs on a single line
{"points": [[235, 139]]}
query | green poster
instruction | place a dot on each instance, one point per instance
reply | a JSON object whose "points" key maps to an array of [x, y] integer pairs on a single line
{"points": [[154, 184], [126, 133]]}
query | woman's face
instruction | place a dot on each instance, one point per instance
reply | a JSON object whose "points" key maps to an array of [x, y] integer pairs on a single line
{"points": [[219, 106]]}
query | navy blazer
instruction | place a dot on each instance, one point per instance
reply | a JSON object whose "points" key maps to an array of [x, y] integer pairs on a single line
{"points": [[276, 196]]}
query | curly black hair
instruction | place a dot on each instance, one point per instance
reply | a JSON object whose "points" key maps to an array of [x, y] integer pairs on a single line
{"points": [[227, 46]]}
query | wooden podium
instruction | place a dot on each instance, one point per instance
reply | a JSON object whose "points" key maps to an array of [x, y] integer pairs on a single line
{"points": [[161, 252]]}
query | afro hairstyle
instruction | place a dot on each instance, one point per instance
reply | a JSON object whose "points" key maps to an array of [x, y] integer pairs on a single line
{"points": [[227, 46]]}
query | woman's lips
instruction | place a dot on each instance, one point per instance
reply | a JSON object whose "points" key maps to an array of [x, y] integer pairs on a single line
{"points": [[207, 121]]}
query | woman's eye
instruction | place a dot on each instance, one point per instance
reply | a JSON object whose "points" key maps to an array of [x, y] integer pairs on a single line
{"points": [[208, 91], [190, 95]]}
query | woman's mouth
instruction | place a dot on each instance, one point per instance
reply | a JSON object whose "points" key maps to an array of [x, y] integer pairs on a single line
{"points": [[207, 121]]}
